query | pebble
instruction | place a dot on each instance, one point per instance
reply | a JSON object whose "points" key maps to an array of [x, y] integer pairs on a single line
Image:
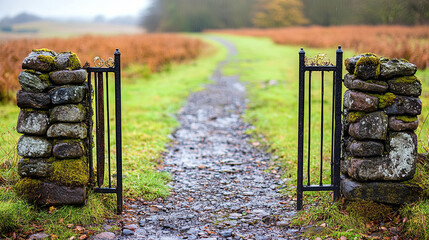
{"points": [[104, 236], [226, 233], [127, 232], [38, 236], [220, 185]]}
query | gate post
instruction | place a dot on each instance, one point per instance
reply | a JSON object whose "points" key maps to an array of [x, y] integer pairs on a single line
{"points": [[338, 123], [301, 128]]}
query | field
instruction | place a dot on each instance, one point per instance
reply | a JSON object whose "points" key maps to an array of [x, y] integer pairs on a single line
{"points": [[411, 43], [154, 51]]}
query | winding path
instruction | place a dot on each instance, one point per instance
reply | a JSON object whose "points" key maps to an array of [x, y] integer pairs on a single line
{"points": [[219, 188]]}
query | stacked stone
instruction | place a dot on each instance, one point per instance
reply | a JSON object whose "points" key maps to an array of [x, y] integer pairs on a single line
{"points": [[53, 112], [381, 107]]}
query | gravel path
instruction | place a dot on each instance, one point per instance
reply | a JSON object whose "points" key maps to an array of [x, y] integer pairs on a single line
{"points": [[221, 188]]}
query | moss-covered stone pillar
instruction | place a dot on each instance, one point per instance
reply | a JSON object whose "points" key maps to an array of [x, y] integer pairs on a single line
{"points": [[53, 146], [381, 107]]}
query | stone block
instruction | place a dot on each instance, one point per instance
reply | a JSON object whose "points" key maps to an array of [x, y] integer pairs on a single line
{"points": [[367, 67], [358, 101], [34, 147], [68, 149], [33, 100], [408, 86], [67, 60], [366, 148], [371, 126], [53, 194], [403, 123], [383, 192], [381, 169], [396, 67], [404, 105], [64, 77], [67, 130], [67, 113], [68, 94], [40, 60], [32, 122], [366, 86], [31, 82], [34, 167]]}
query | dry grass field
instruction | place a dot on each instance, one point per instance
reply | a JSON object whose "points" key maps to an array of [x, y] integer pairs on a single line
{"points": [[411, 43], [152, 50]]}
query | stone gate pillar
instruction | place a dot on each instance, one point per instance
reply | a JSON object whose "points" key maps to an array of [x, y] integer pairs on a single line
{"points": [[381, 107], [53, 167]]}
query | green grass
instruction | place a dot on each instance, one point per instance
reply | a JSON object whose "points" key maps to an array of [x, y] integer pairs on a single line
{"points": [[271, 74], [149, 105]]}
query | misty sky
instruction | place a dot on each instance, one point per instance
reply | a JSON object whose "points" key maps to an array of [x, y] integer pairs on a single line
{"points": [[64, 9]]}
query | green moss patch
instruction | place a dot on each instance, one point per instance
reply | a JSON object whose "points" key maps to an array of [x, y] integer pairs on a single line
{"points": [[384, 100], [69, 172], [28, 188], [369, 59], [370, 211], [74, 62], [47, 59], [408, 79], [354, 116], [407, 119], [383, 83]]}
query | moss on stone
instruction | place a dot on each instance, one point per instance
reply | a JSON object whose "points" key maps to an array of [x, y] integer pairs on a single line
{"points": [[73, 61], [354, 116], [407, 119], [47, 59], [43, 50], [28, 188], [408, 79], [383, 83], [44, 77], [30, 71], [70, 172], [368, 210], [384, 100], [369, 59]]}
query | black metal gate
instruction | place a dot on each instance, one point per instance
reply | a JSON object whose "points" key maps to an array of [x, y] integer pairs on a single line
{"points": [[99, 77], [320, 63]]}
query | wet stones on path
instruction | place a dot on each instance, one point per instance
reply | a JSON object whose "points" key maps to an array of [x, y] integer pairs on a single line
{"points": [[220, 187]]}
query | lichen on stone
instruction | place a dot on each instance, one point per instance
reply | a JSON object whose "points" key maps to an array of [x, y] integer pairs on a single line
{"points": [[354, 116], [69, 172], [407, 119]]}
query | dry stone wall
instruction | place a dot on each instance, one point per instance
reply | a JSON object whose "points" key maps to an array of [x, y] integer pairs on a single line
{"points": [[52, 119], [381, 107]]}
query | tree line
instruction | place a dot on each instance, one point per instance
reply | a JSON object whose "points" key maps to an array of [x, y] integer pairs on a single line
{"points": [[197, 15]]}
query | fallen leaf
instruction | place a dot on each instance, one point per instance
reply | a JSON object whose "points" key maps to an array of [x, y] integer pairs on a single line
{"points": [[52, 209], [82, 237]]}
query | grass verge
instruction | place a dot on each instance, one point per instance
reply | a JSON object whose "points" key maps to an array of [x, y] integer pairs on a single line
{"points": [[271, 74], [148, 115]]}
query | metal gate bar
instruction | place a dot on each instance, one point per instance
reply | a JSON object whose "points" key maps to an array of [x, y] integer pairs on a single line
{"points": [[102, 108], [322, 67]]}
